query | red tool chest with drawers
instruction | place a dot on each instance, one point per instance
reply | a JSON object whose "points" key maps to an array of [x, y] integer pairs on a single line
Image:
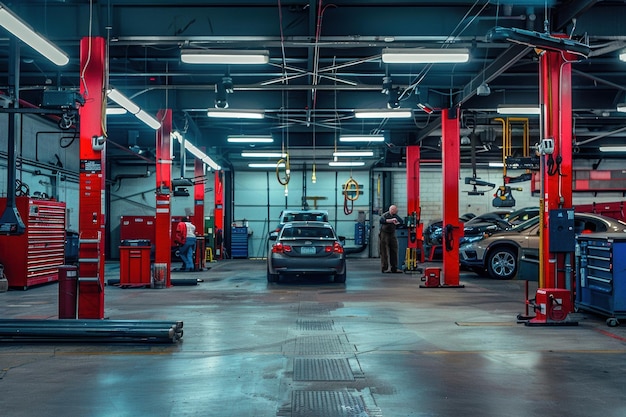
{"points": [[34, 257]]}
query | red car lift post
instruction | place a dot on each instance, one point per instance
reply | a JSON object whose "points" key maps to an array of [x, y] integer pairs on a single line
{"points": [[555, 269], [218, 190], [198, 211], [163, 224], [92, 180], [452, 227], [416, 233]]}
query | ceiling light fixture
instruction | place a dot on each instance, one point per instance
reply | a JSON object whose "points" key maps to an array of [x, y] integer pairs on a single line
{"points": [[250, 139], [346, 164], [361, 138], [612, 148], [263, 155], [131, 107], [236, 114], [384, 114], [518, 109], [353, 153], [622, 56], [621, 107], [116, 111], [224, 56], [261, 165], [424, 56], [26, 34], [197, 152]]}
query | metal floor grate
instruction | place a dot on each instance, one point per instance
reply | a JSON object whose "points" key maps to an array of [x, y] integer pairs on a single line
{"points": [[347, 403], [307, 369], [315, 325]]}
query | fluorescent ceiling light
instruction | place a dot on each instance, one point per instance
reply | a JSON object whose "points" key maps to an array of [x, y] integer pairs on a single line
{"points": [[147, 119], [197, 152], [424, 56], [362, 138], [346, 164], [224, 56], [256, 165], [518, 109], [622, 56], [131, 107], [236, 114], [263, 155], [26, 34], [621, 108], [612, 148], [115, 111], [383, 114], [250, 139], [354, 153]]}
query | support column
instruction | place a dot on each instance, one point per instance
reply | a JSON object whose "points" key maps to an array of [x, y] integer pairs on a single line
{"points": [[198, 210], [555, 91], [451, 169], [163, 222], [218, 190], [416, 235], [92, 180]]}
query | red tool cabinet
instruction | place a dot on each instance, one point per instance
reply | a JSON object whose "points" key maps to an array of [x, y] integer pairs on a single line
{"points": [[135, 264], [34, 257]]}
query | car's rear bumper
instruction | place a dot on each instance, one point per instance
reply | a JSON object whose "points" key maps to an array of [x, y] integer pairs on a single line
{"points": [[309, 266]]}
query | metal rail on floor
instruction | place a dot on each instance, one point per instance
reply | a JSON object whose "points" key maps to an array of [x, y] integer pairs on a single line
{"points": [[91, 330]]}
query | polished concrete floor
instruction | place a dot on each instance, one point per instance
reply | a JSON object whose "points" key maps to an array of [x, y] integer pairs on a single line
{"points": [[377, 346]]}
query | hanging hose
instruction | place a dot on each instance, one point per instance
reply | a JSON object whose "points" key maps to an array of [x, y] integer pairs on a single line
{"points": [[348, 200], [284, 180]]}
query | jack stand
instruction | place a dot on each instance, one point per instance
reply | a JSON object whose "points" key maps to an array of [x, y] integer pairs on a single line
{"points": [[552, 307], [432, 279]]}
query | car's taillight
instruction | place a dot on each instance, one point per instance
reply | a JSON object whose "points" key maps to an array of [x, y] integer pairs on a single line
{"points": [[280, 248], [336, 248]]}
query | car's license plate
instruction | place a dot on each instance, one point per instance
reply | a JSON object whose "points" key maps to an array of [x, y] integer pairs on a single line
{"points": [[307, 250]]}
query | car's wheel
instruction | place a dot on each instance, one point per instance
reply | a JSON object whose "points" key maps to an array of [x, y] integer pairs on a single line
{"points": [[340, 278], [502, 263], [271, 277]]}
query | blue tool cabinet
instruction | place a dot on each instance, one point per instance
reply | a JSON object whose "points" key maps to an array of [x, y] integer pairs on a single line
{"points": [[601, 275], [239, 242]]}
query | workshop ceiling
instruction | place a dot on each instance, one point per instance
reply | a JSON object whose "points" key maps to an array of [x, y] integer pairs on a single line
{"points": [[325, 63]]}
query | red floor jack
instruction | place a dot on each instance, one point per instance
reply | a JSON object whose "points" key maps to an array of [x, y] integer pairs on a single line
{"points": [[551, 306], [431, 278]]}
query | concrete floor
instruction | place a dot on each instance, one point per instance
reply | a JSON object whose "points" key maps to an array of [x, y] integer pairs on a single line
{"points": [[377, 346]]}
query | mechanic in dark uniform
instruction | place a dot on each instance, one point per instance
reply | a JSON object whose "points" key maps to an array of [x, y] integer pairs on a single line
{"points": [[388, 242]]}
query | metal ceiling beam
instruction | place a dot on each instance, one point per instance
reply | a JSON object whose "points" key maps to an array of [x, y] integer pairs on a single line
{"points": [[563, 15], [503, 62]]}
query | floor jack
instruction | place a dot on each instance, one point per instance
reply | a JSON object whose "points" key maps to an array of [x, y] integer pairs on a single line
{"points": [[552, 307]]}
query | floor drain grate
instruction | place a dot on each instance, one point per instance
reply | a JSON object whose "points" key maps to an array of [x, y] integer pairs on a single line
{"points": [[306, 369], [347, 403], [315, 325]]}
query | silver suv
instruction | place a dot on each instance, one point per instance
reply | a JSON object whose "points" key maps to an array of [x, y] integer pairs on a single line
{"points": [[287, 216]]}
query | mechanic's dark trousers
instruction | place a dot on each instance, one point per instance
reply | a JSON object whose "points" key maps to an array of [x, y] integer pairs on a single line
{"points": [[388, 245]]}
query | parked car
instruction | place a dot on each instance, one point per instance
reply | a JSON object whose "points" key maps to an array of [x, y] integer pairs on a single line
{"points": [[298, 215], [306, 248], [500, 253]]}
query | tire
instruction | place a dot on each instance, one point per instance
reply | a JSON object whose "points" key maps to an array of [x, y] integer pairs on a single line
{"points": [[502, 263], [271, 277], [340, 278]]}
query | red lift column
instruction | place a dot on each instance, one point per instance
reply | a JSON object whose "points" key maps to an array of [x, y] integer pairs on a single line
{"points": [[451, 169], [555, 74], [219, 213], [416, 235], [92, 180], [163, 223], [198, 211]]}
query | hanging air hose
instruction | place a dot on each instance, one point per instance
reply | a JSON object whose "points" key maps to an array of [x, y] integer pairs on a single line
{"points": [[351, 186], [283, 180]]}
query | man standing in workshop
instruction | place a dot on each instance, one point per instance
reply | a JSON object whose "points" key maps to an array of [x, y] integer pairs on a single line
{"points": [[186, 238], [387, 240]]}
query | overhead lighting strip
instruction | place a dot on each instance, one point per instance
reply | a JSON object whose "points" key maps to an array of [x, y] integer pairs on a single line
{"points": [[133, 108], [197, 152], [236, 114], [384, 114], [250, 139], [224, 56], [424, 55], [361, 138], [26, 34]]}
